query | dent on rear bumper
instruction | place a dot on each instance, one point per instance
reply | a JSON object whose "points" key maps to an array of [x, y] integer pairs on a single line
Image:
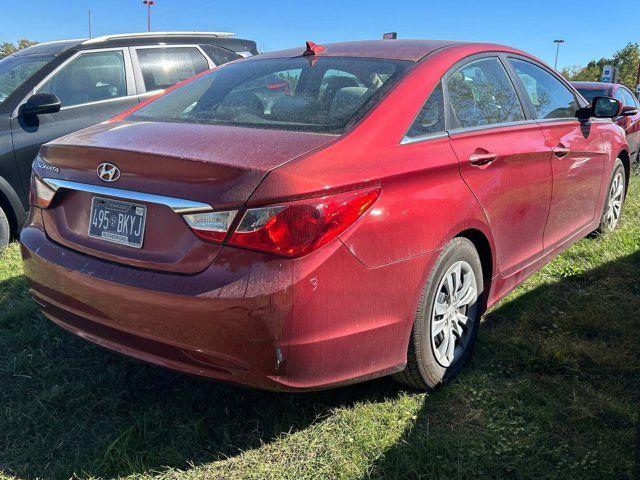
{"points": [[250, 318]]}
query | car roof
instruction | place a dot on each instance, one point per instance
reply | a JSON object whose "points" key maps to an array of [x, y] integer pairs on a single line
{"points": [[48, 48], [595, 85], [126, 39], [143, 37], [412, 50]]}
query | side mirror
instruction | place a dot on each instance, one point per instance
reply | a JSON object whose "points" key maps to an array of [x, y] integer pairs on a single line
{"points": [[606, 107], [40, 103], [601, 107], [629, 111]]}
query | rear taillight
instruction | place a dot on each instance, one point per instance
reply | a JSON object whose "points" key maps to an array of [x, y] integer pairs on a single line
{"points": [[211, 226], [40, 194], [297, 228]]}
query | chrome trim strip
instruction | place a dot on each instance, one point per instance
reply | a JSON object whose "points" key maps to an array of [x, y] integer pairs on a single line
{"points": [[420, 138], [178, 205], [561, 119], [492, 126]]}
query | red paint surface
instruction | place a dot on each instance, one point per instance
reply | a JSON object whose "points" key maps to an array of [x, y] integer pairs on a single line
{"points": [[344, 312]]}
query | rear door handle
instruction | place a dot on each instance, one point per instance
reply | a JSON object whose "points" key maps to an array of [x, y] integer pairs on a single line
{"points": [[561, 151], [482, 158]]}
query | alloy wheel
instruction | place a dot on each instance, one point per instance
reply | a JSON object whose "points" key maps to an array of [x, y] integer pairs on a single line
{"points": [[453, 313], [614, 208]]}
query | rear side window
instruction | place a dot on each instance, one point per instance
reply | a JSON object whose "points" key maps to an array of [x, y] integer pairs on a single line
{"points": [[162, 67], [549, 96], [431, 117], [480, 93], [220, 55], [629, 99], [322, 94], [91, 77]]}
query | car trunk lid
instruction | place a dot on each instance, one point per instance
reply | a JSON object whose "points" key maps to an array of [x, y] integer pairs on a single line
{"points": [[214, 167]]}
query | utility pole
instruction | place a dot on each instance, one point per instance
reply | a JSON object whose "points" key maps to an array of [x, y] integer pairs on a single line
{"points": [[90, 32], [148, 3], [557, 42]]}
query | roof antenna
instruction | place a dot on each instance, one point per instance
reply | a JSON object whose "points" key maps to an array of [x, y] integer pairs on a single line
{"points": [[313, 49]]}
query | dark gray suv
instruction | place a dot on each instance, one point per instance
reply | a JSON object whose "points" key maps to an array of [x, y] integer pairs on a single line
{"points": [[55, 88]]}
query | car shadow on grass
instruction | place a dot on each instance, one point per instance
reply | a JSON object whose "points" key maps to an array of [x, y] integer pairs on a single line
{"points": [[552, 392], [70, 408], [553, 389]]}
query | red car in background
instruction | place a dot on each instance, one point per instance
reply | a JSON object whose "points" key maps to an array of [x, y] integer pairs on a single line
{"points": [[356, 225], [629, 118]]}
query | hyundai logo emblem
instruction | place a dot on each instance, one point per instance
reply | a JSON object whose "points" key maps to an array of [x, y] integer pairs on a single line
{"points": [[108, 172]]}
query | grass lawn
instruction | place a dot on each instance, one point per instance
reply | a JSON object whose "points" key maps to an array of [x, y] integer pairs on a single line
{"points": [[553, 391]]}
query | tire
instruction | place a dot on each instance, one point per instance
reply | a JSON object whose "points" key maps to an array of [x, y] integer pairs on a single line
{"points": [[5, 230], [614, 201], [429, 362]]}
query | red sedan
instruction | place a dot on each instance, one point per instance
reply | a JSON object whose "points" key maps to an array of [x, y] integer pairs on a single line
{"points": [[356, 224], [629, 117]]}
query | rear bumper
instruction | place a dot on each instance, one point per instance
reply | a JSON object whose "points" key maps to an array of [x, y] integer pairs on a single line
{"points": [[250, 318]]}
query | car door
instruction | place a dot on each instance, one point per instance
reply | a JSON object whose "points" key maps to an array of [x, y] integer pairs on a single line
{"points": [[157, 67], [503, 157], [578, 150], [10, 182], [92, 87], [630, 123]]}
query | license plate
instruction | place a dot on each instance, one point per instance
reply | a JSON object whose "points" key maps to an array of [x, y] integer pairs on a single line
{"points": [[117, 222]]}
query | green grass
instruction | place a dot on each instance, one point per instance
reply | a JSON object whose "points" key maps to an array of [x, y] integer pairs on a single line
{"points": [[553, 391]]}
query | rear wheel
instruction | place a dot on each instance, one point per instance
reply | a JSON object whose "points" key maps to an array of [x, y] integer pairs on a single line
{"points": [[446, 323], [612, 210], [5, 229]]}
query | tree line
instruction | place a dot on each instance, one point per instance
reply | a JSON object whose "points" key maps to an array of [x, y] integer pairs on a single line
{"points": [[7, 48], [626, 60]]}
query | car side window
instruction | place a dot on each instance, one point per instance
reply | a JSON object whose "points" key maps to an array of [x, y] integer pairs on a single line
{"points": [[629, 99], [619, 95], [91, 77], [430, 119], [549, 96], [220, 55], [480, 93], [163, 67]]}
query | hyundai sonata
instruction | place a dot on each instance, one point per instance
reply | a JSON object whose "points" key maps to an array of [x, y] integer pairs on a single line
{"points": [[356, 224]]}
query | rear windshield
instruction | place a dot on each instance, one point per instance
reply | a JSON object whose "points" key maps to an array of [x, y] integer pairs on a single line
{"points": [[318, 94], [589, 94]]}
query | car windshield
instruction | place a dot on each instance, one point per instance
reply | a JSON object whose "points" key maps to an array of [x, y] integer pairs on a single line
{"points": [[317, 94], [589, 94], [15, 70]]}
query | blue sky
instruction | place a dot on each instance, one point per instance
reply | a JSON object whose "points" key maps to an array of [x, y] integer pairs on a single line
{"points": [[275, 24]]}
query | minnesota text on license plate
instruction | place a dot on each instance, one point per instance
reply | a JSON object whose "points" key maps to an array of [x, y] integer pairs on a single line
{"points": [[117, 222]]}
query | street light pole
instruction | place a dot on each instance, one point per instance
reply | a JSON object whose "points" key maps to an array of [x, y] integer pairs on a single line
{"points": [[557, 42], [148, 3]]}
